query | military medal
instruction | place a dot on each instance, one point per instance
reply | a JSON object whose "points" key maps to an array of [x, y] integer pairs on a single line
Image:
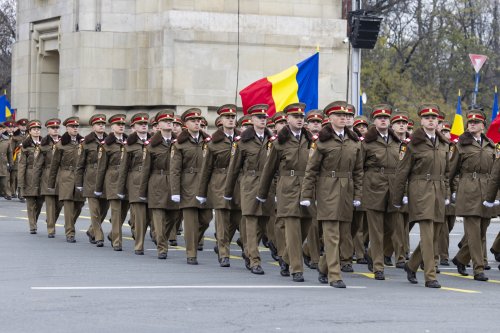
{"points": [[37, 151], [497, 151], [143, 154], [402, 152], [233, 148], [99, 154], [79, 149]]}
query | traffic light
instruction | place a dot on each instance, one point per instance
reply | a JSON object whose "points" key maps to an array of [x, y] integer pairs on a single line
{"points": [[364, 29]]}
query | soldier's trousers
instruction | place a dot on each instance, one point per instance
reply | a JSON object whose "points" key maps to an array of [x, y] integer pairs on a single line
{"points": [[270, 229], [345, 243], [196, 221], [72, 210], [98, 208], [227, 221], [312, 246], [255, 228], [496, 244], [243, 236], [444, 238], [119, 210], [5, 189], [53, 208], [139, 211], [13, 182], [34, 207], [378, 223], [296, 230], [178, 224], [475, 230], [357, 227], [279, 235], [425, 249], [164, 221], [329, 262], [406, 219]]}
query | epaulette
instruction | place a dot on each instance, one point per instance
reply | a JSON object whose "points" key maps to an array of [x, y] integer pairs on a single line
{"points": [[146, 142], [208, 139], [174, 140], [82, 140], [407, 140], [236, 138], [315, 137], [102, 142], [272, 138], [361, 138]]}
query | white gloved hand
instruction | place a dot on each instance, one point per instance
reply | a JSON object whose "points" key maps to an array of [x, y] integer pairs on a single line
{"points": [[305, 203], [356, 203], [97, 194], [176, 198], [496, 203], [260, 199], [121, 196], [143, 198], [405, 200], [228, 198], [446, 202], [79, 189], [201, 200], [454, 197], [488, 204], [275, 199]]}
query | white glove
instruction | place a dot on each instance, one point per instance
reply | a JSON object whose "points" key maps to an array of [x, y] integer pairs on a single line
{"points": [[143, 198], [356, 203], [405, 200], [454, 197], [201, 200], [97, 194], [488, 204], [275, 199], [79, 189], [446, 202], [260, 199], [176, 198], [496, 203], [121, 196], [305, 203]]}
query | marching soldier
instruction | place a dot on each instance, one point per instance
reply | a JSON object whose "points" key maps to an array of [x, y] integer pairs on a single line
{"points": [[110, 157], [334, 175], [172, 238], [473, 159], [130, 177], [27, 181], [17, 137], [155, 183], [216, 157], [380, 158], [5, 163], [185, 167], [245, 122], [53, 205], [288, 155], [62, 170], [424, 166], [248, 156], [86, 173]]}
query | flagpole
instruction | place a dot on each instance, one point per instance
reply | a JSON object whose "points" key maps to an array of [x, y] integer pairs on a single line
{"points": [[476, 89]]}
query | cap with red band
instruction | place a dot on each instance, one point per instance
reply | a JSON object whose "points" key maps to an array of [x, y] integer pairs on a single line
{"points": [[270, 122], [139, 118], [313, 115], [72, 121], [360, 120], [258, 109], [53, 122], [34, 123], [22, 122], [399, 116], [429, 110], [227, 109], [295, 108], [382, 110], [337, 107], [191, 114], [476, 115], [278, 117], [446, 126], [97, 118], [117, 119], [178, 120], [245, 120], [165, 115]]}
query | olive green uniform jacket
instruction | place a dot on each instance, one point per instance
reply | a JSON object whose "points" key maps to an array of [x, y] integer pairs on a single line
{"points": [[248, 157], [63, 168], [43, 163], [288, 157], [426, 169], [216, 158], [155, 182], [27, 179], [86, 170], [110, 157], [5, 156], [472, 162], [334, 175], [185, 167]]}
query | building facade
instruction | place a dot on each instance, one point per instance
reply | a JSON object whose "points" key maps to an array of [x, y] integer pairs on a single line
{"points": [[85, 56]]}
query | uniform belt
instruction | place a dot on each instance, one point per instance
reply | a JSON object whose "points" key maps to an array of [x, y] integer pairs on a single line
{"points": [[252, 173], [159, 172], [190, 170], [427, 177], [220, 170], [382, 170], [475, 175], [292, 173], [335, 174]]}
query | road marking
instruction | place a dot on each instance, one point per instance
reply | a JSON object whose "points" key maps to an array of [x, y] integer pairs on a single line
{"points": [[467, 277], [368, 275], [189, 287], [467, 291]]}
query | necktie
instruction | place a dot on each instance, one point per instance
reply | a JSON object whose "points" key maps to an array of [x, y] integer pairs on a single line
{"points": [[230, 137], [167, 141], [261, 138], [341, 136], [195, 140], [433, 140], [298, 137]]}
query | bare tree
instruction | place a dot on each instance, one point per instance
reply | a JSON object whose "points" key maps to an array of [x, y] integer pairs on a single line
{"points": [[7, 38]]}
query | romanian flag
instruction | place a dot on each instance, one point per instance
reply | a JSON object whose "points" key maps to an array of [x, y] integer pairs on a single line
{"points": [[5, 109], [298, 83], [494, 130], [458, 123]]}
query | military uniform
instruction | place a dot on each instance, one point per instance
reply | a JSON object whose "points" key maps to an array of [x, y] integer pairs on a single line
{"points": [[27, 181], [172, 238], [473, 160], [110, 157], [62, 171], [216, 157], [424, 166], [380, 158], [16, 140], [85, 178], [288, 156], [248, 156], [185, 166], [5, 165], [334, 175], [155, 185], [53, 205]]}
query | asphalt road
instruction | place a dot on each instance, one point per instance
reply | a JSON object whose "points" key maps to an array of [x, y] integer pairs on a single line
{"points": [[48, 285]]}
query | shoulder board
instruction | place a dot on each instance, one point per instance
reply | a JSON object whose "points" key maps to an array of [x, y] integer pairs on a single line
{"points": [[102, 142], [208, 139], [407, 140], [271, 139], [82, 140], [146, 142], [361, 138], [236, 138], [174, 140], [315, 137]]}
